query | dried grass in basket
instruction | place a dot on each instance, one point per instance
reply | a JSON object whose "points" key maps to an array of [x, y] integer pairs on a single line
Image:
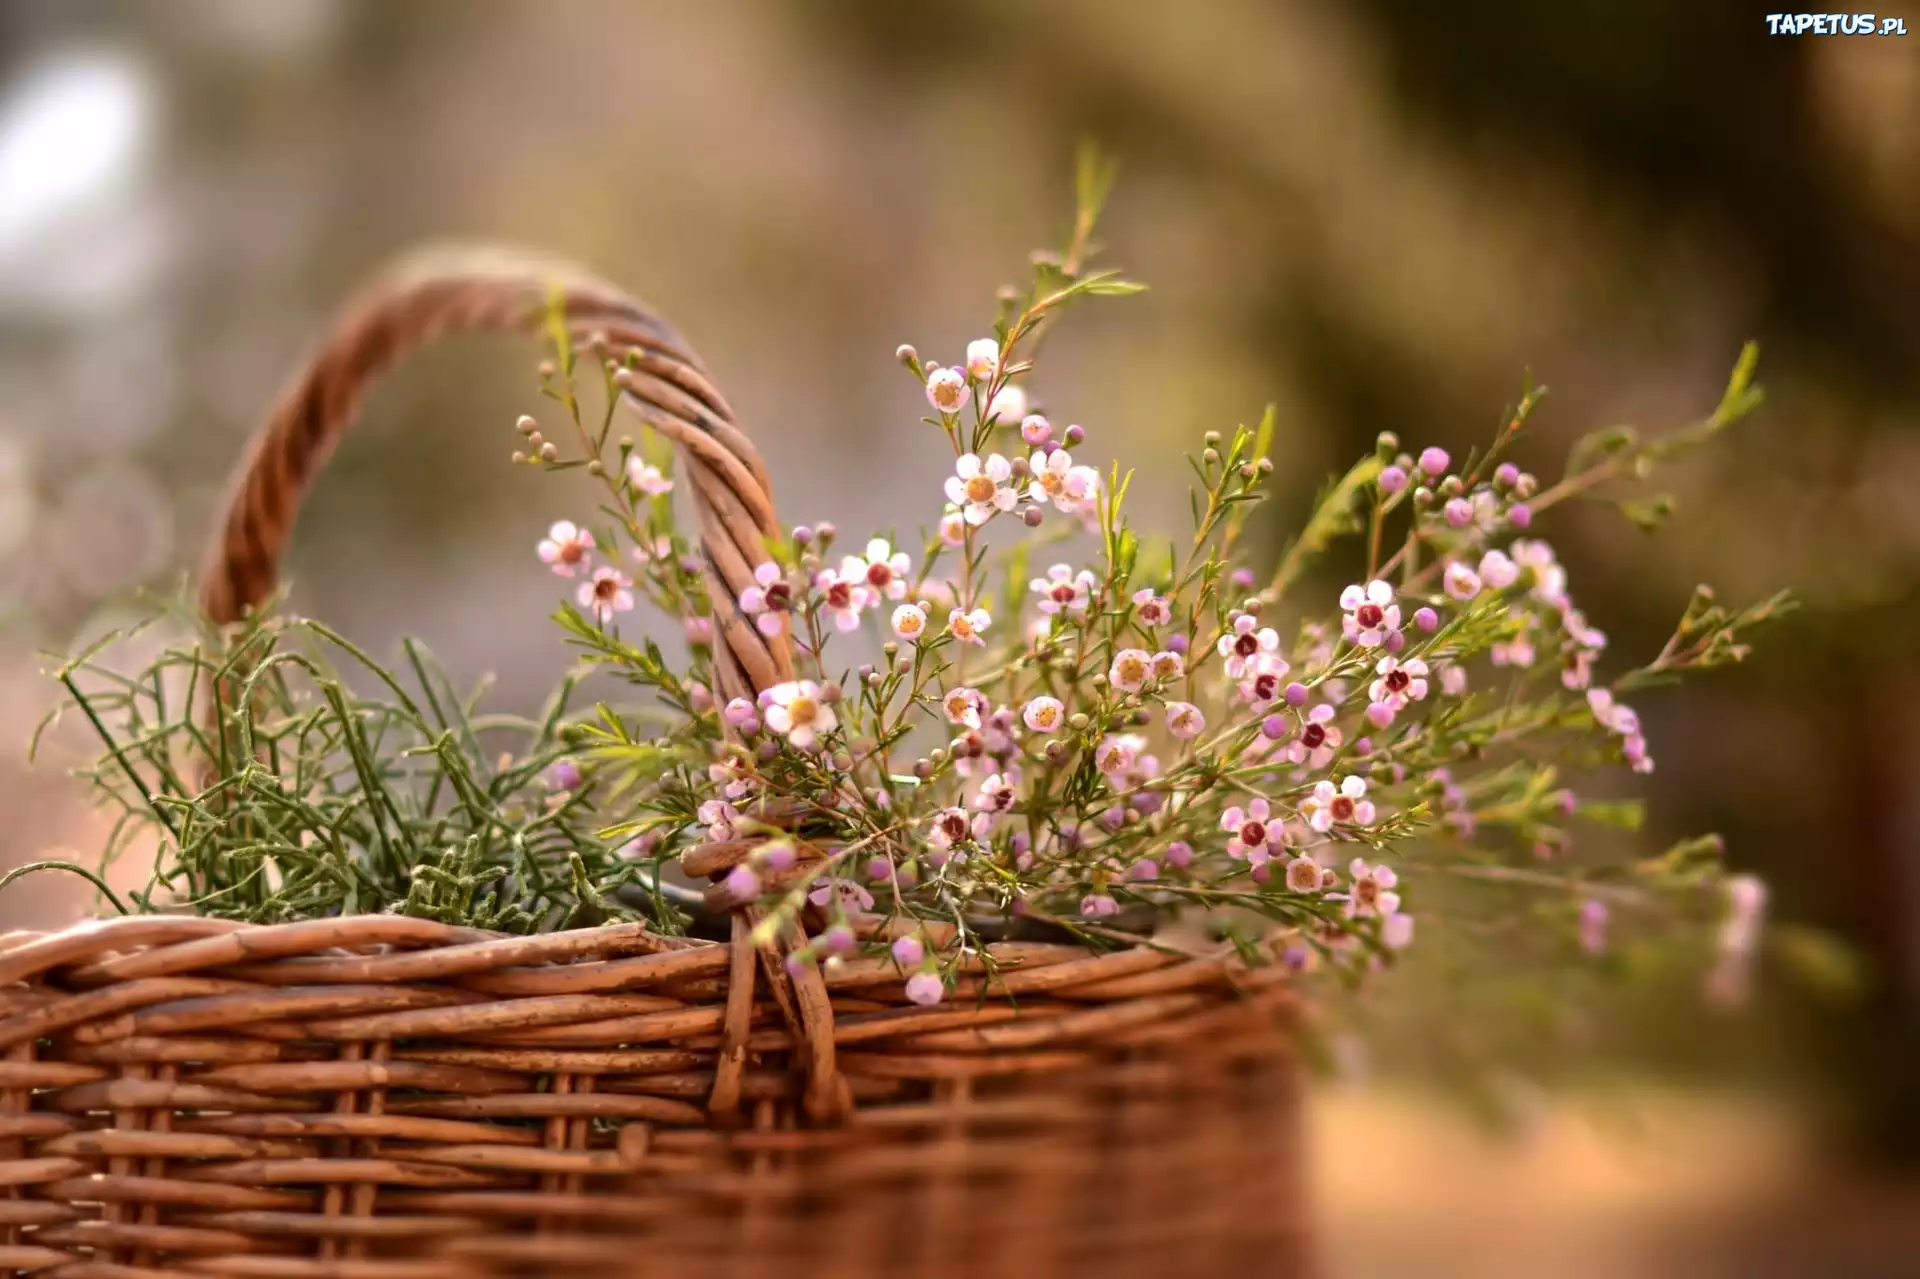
{"points": [[381, 1097]]}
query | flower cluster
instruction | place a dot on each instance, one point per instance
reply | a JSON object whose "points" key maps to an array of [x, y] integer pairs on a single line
{"points": [[1140, 729]]}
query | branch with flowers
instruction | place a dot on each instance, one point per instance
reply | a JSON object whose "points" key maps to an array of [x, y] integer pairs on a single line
{"points": [[1142, 734]]}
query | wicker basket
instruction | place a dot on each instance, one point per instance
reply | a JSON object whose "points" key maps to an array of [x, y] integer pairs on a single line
{"points": [[389, 1098]]}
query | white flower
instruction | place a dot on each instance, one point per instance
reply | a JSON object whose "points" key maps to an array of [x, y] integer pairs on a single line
{"points": [[909, 622], [983, 358], [1056, 479], [566, 547], [1399, 682], [767, 599], [947, 390], [1460, 581], [1372, 892], [1371, 614], [1242, 642], [1064, 590], [1549, 578], [1184, 720], [1346, 805], [980, 488], [1008, 406], [1168, 666], [953, 527], [647, 478], [882, 568], [967, 626], [964, 706], [1151, 609], [607, 592], [1498, 571], [842, 597], [1130, 670], [797, 709], [1044, 714]]}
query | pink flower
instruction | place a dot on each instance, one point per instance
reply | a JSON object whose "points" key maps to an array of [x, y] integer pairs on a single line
{"points": [[1549, 578], [698, 630], [647, 478], [907, 951], [1498, 571], [1260, 678], [1593, 926], [742, 883], [1460, 581], [1008, 406], [995, 795], [1118, 754], [1167, 666], [926, 989], [739, 713], [846, 892], [953, 527], [1242, 642], [1396, 933], [1044, 714], [1098, 906], [607, 592], [1371, 614], [968, 627], [1303, 875], [1151, 609], [1346, 805], [1372, 893], [1056, 479], [1318, 739], [964, 706], [1434, 461], [798, 710], [909, 622], [1062, 590], [721, 819], [842, 597], [882, 568], [983, 358], [1036, 431], [1399, 682], [947, 391], [1453, 679], [1185, 721], [566, 548], [1250, 832], [981, 488], [769, 598], [952, 826], [1131, 667]]}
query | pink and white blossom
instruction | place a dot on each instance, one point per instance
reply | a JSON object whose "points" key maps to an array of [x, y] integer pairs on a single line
{"points": [[964, 706], [909, 622], [1151, 609], [1118, 753], [981, 488], [1244, 639], [947, 390], [1262, 679], [1010, 405], [566, 548], [995, 795], [1498, 571], [1460, 582], [847, 893], [1399, 682], [925, 989], [1251, 832], [607, 592], [1167, 666], [883, 569], [1371, 614], [1064, 591], [1130, 670], [798, 711], [768, 600], [1185, 721], [953, 527], [1303, 875], [1057, 480], [722, 820], [842, 597], [1345, 805], [1372, 894], [983, 358], [646, 477], [1044, 714], [969, 625], [1318, 739]]}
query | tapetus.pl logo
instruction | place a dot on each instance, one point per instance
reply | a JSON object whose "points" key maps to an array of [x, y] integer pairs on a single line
{"points": [[1834, 24]]}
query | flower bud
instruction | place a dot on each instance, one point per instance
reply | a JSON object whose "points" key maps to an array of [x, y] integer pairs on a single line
{"points": [[1211, 457], [1434, 461], [1459, 512], [1274, 727], [1524, 486], [1426, 619], [526, 425], [907, 356], [1521, 515], [923, 769], [548, 453], [1031, 517], [1505, 474], [1422, 498], [1075, 435], [1058, 753], [1078, 721], [802, 535], [519, 458], [1296, 694], [825, 532], [1179, 854], [1211, 438], [1386, 445], [1392, 480]]}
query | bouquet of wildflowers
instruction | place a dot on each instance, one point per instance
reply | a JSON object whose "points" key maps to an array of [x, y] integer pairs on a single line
{"points": [[1056, 721], [1028, 717]]}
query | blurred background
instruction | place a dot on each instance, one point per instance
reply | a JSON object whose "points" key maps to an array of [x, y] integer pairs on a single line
{"points": [[1376, 215]]}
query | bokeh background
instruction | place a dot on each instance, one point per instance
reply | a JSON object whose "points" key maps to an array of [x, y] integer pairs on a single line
{"points": [[1375, 215]]}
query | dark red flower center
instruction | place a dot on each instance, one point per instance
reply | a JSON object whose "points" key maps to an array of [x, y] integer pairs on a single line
{"points": [[1246, 645], [1342, 809], [1369, 616], [1253, 832], [879, 574], [954, 826], [1397, 681], [839, 595], [606, 588], [1313, 736], [1266, 687], [1064, 593], [779, 596]]}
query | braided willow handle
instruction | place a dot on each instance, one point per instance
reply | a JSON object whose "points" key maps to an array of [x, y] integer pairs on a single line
{"points": [[466, 290]]}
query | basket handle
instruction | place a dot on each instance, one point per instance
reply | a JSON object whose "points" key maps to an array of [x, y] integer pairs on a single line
{"points": [[469, 290], [661, 379]]}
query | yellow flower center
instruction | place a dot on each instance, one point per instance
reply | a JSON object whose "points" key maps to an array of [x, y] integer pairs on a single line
{"points": [[981, 488], [802, 710]]}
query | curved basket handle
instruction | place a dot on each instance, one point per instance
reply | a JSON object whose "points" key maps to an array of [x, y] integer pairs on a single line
{"points": [[464, 290], [461, 290]]}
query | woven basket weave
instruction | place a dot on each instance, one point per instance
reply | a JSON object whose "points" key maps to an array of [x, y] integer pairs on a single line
{"points": [[381, 1097]]}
